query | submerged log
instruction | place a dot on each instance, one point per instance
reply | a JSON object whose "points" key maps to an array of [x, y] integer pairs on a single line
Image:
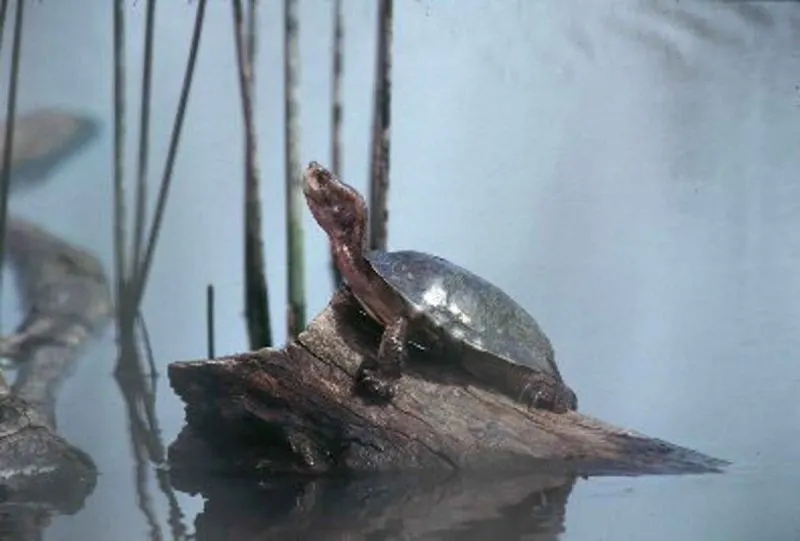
{"points": [[293, 411]]}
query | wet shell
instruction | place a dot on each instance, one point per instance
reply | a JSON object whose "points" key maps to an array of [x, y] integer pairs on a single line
{"points": [[466, 308]]}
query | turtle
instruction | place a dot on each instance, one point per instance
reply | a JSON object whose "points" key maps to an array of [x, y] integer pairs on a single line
{"points": [[425, 300]]}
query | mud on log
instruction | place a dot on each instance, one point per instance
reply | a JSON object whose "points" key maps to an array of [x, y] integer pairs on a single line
{"points": [[292, 411]]}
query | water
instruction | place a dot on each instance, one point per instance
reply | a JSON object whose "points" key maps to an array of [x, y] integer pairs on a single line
{"points": [[626, 170]]}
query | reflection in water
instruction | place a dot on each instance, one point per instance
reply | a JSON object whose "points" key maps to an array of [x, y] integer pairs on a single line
{"points": [[43, 139], [458, 507], [65, 299]]}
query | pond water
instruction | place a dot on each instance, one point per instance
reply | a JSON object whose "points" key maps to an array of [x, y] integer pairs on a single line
{"points": [[627, 170]]}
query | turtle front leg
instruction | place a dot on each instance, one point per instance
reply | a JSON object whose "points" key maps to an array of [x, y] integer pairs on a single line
{"points": [[377, 378]]}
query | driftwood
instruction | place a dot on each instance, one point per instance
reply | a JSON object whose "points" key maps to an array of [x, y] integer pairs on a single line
{"points": [[292, 411]]}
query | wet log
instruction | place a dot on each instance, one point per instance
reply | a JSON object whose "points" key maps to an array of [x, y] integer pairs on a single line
{"points": [[39, 470], [292, 411]]}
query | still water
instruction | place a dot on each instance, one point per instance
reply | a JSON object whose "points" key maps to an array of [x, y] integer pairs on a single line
{"points": [[627, 170]]}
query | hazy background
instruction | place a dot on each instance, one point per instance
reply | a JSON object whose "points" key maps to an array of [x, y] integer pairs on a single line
{"points": [[627, 170]]}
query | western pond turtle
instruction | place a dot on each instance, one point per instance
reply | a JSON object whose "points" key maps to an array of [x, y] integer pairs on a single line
{"points": [[437, 304]]}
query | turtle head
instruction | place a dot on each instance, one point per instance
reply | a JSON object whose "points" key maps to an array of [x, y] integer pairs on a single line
{"points": [[338, 209]]}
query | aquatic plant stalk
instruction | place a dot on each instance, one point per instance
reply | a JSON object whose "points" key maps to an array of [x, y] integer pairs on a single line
{"points": [[120, 270], [252, 43], [3, 9], [379, 168], [210, 319], [144, 136], [295, 317], [11, 108], [139, 405], [336, 112], [142, 272], [4, 388], [148, 349], [144, 430], [256, 298], [155, 447], [140, 394], [144, 500]]}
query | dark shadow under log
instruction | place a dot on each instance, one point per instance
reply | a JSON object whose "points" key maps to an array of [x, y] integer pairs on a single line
{"points": [[292, 411]]}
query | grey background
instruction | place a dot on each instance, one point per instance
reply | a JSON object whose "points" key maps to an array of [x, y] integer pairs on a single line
{"points": [[627, 170]]}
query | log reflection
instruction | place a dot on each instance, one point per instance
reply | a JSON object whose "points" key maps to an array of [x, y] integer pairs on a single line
{"points": [[463, 507]]}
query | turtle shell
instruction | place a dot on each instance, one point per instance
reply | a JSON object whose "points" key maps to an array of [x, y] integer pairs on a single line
{"points": [[466, 307]]}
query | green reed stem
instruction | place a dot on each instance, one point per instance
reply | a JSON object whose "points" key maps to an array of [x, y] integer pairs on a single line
{"points": [[294, 195]]}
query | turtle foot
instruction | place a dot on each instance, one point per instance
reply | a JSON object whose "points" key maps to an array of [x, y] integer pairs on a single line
{"points": [[543, 392], [377, 378], [373, 385]]}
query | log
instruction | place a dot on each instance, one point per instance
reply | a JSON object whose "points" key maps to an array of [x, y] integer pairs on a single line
{"points": [[38, 468], [292, 411]]}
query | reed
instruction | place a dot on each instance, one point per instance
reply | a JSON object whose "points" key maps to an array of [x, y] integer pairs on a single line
{"points": [[256, 293], [210, 319], [5, 390], [139, 281], [381, 140], [120, 265], [11, 108], [295, 262], [144, 135], [139, 391], [336, 112], [3, 9]]}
